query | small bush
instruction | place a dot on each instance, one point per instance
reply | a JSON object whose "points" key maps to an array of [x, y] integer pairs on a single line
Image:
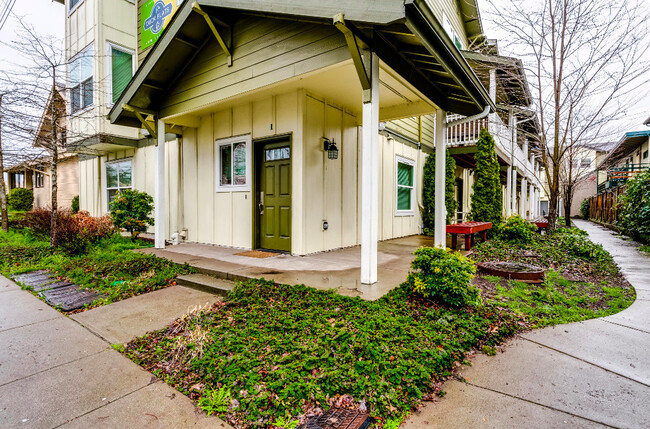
{"points": [[443, 276], [516, 229], [578, 244], [131, 210], [584, 208], [635, 208], [74, 232], [20, 199], [74, 205]]}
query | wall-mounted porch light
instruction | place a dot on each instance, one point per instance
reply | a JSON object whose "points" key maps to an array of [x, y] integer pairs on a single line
{"points": [[329, 146]]}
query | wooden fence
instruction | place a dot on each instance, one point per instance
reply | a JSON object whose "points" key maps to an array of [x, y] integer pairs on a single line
{"points": [[605, 207]]}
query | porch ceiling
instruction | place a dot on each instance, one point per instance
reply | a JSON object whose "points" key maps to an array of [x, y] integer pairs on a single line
{"points": [[406, 35]]}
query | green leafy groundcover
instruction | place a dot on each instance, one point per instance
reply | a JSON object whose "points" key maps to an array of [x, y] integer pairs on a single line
{"points": [[582, 280], [282, 350], [109, 266]]}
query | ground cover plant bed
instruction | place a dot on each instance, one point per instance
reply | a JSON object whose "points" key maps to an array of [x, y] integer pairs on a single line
{"points": [[582, 281], [271, 354], [108, 267]]}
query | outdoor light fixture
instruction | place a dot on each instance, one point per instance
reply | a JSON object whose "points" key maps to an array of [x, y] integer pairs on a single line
{"points": [[330, 148]]}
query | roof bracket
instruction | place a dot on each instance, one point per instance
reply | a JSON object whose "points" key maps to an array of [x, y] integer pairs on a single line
{"points": [[217, 35], [143, 121], [363, 67]]}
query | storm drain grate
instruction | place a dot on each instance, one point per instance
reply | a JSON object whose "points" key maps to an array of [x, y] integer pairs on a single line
{"points": [[58, 293], [339, 418]]}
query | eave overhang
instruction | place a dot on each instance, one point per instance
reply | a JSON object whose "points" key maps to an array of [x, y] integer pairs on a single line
{"points": [[628, 144], [406, 36]]}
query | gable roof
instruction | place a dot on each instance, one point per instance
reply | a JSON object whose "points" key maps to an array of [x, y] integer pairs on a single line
{"points": [[404, 33], [625, 146]]}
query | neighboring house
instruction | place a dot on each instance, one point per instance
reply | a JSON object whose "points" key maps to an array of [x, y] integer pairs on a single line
{"points": [[584, 164], [629, 157], [35, 174], [257, 124]]}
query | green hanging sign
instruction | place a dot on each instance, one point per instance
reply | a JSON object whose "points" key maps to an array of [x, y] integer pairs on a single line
{"points": [[155, 15]]}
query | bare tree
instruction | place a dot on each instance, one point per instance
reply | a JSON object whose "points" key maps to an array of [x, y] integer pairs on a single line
{"points": [[4, 213], [36, 115], [586, 58]]}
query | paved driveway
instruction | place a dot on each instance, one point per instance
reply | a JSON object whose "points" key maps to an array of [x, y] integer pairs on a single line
{"points": [[581, 375], [54, 372]]}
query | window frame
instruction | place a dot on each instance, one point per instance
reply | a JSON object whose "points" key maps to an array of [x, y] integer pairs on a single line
{"points": [[231, 141], [107, 189], [401, 160], [109, 68], [38, 180], [73, 8], [81, 83]]}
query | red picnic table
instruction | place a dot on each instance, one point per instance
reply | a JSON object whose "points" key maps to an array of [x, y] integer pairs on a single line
{"points": [[467, 229], [541, 224]]}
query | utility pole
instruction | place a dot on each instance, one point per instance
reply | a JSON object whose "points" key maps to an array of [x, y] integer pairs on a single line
{"points": [[3, 190]]}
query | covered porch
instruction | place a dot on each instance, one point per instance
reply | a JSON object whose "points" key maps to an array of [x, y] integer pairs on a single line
{"points": [[339, 270], [205, 81]]}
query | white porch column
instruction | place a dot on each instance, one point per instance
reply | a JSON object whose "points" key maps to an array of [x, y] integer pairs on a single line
{"points": [[513, 195], [440, 228], [370, 178], [531, 202], [509, 191], [523, 198], [159, 197]]}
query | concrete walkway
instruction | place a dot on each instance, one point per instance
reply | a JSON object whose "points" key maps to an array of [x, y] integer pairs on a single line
{"points": [[581, 375], [54, 372]]}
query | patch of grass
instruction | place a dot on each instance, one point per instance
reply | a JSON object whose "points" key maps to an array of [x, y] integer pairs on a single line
{"points": [[286, 350], [489, 350], [645, 248], [108, 267]]}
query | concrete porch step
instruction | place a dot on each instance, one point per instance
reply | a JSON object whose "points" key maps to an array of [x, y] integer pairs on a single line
{"points": [[206, 283]]}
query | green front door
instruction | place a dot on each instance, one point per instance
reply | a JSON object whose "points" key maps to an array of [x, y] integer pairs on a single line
{"points": [[275, 197]]}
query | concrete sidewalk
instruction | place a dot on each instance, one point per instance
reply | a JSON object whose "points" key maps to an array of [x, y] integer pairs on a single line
{"points": [[54, 372], [589, 374]]}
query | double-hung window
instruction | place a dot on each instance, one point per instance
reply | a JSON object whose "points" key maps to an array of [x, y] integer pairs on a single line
{"points": [[405, 191], [119, 176], [120, 70], [233, 161], [39, 178], [81, 80]]}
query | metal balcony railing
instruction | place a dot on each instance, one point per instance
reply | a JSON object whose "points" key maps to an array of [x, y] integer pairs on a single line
{"points": [[617, 176]]}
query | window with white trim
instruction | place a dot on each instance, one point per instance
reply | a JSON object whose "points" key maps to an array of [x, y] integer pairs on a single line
{"points": [[446, 24], [233, 164], [119, 176], [80, 76], [120, 69], [405, 187]]}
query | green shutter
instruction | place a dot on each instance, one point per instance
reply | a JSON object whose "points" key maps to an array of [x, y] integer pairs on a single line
{"points": [[122, 72]]}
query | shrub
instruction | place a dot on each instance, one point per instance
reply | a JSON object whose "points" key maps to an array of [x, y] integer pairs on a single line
{"points": [[429, 191], [20, 199], [635, 207], [584, 208], [516, 229], [130, 210], [74, 232], [74, 205], [443, 276], [578, 244], [486, 203]]}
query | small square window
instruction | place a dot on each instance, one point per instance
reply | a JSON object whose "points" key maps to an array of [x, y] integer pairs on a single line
{"points": [[233, 161], [405, 189], [645, 154], [119, 176]]}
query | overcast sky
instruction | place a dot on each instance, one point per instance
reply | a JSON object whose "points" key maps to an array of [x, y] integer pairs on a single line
{"points": [[48, 17]]}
